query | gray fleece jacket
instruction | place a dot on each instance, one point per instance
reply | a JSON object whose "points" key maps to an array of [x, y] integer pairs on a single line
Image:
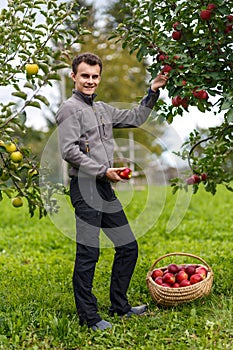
{"points": [[85, 130]]}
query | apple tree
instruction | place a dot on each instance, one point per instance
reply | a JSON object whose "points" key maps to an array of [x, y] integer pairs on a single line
{"points": [[35, 40], [192, 42]]}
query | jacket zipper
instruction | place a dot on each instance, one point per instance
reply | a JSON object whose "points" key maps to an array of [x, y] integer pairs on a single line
{"points": [[103, 129]]}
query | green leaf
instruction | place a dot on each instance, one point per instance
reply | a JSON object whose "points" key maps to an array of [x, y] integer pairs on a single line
{"points": [[42, 99], [20, 94], [33, 104], [226, 104], [53, 76], [229, 116], [29, 85], [61, 66], [44, 67], [21, 119]]}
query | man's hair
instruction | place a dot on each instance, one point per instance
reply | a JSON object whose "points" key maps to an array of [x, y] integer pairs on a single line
{"points": [[88, 58]]}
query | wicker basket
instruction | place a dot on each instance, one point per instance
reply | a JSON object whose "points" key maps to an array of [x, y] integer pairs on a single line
{"points": [[172, 296]]}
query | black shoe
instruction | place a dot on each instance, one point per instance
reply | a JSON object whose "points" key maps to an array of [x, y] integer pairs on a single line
{"points": [[101, 325], [136, 310]]}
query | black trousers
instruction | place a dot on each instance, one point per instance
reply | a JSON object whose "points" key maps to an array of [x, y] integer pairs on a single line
{"points": [[96, 207]]}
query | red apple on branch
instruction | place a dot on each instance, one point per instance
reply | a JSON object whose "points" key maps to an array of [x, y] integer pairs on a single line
{"points": [[203, 176], [177, 26], [201, 94], [211, 7], [194, 179], [167, 68], [205, 15], [176, 101], [176, 35], [184, 102]]}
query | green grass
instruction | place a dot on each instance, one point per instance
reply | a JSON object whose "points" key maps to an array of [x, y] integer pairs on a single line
{"points": [[37, 309]]}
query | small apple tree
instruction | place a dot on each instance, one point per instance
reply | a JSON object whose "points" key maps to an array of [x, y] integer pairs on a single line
{"points": [[35, 39], [192, 42]]}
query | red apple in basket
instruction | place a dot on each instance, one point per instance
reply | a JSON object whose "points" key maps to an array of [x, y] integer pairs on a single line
{"points": [[159, 280], [173, 268], [166, 285], [125, 173], [156, 273], [195, 278], [176, 285], [181, 268], [201, 270], [185, 283], [169, 278], [190, 269], [181, 275]]}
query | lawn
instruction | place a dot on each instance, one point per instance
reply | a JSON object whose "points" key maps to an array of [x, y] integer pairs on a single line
{"points": [[37, 309]]}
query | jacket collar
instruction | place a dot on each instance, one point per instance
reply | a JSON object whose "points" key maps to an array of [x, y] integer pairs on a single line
{"points": [[86, 98]]}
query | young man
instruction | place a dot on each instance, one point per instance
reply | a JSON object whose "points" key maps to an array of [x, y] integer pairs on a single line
{"points": [[86, 142]]}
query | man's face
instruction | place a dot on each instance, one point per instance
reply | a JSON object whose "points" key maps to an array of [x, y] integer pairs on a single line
{"points": [[87, 78]]}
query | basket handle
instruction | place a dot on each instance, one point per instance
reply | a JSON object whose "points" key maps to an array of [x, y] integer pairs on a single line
{"points": [[182, 254]]}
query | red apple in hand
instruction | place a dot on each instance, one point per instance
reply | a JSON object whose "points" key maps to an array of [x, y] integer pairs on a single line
{"points": [[125, 174], [181, 275], [195, 278]]}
